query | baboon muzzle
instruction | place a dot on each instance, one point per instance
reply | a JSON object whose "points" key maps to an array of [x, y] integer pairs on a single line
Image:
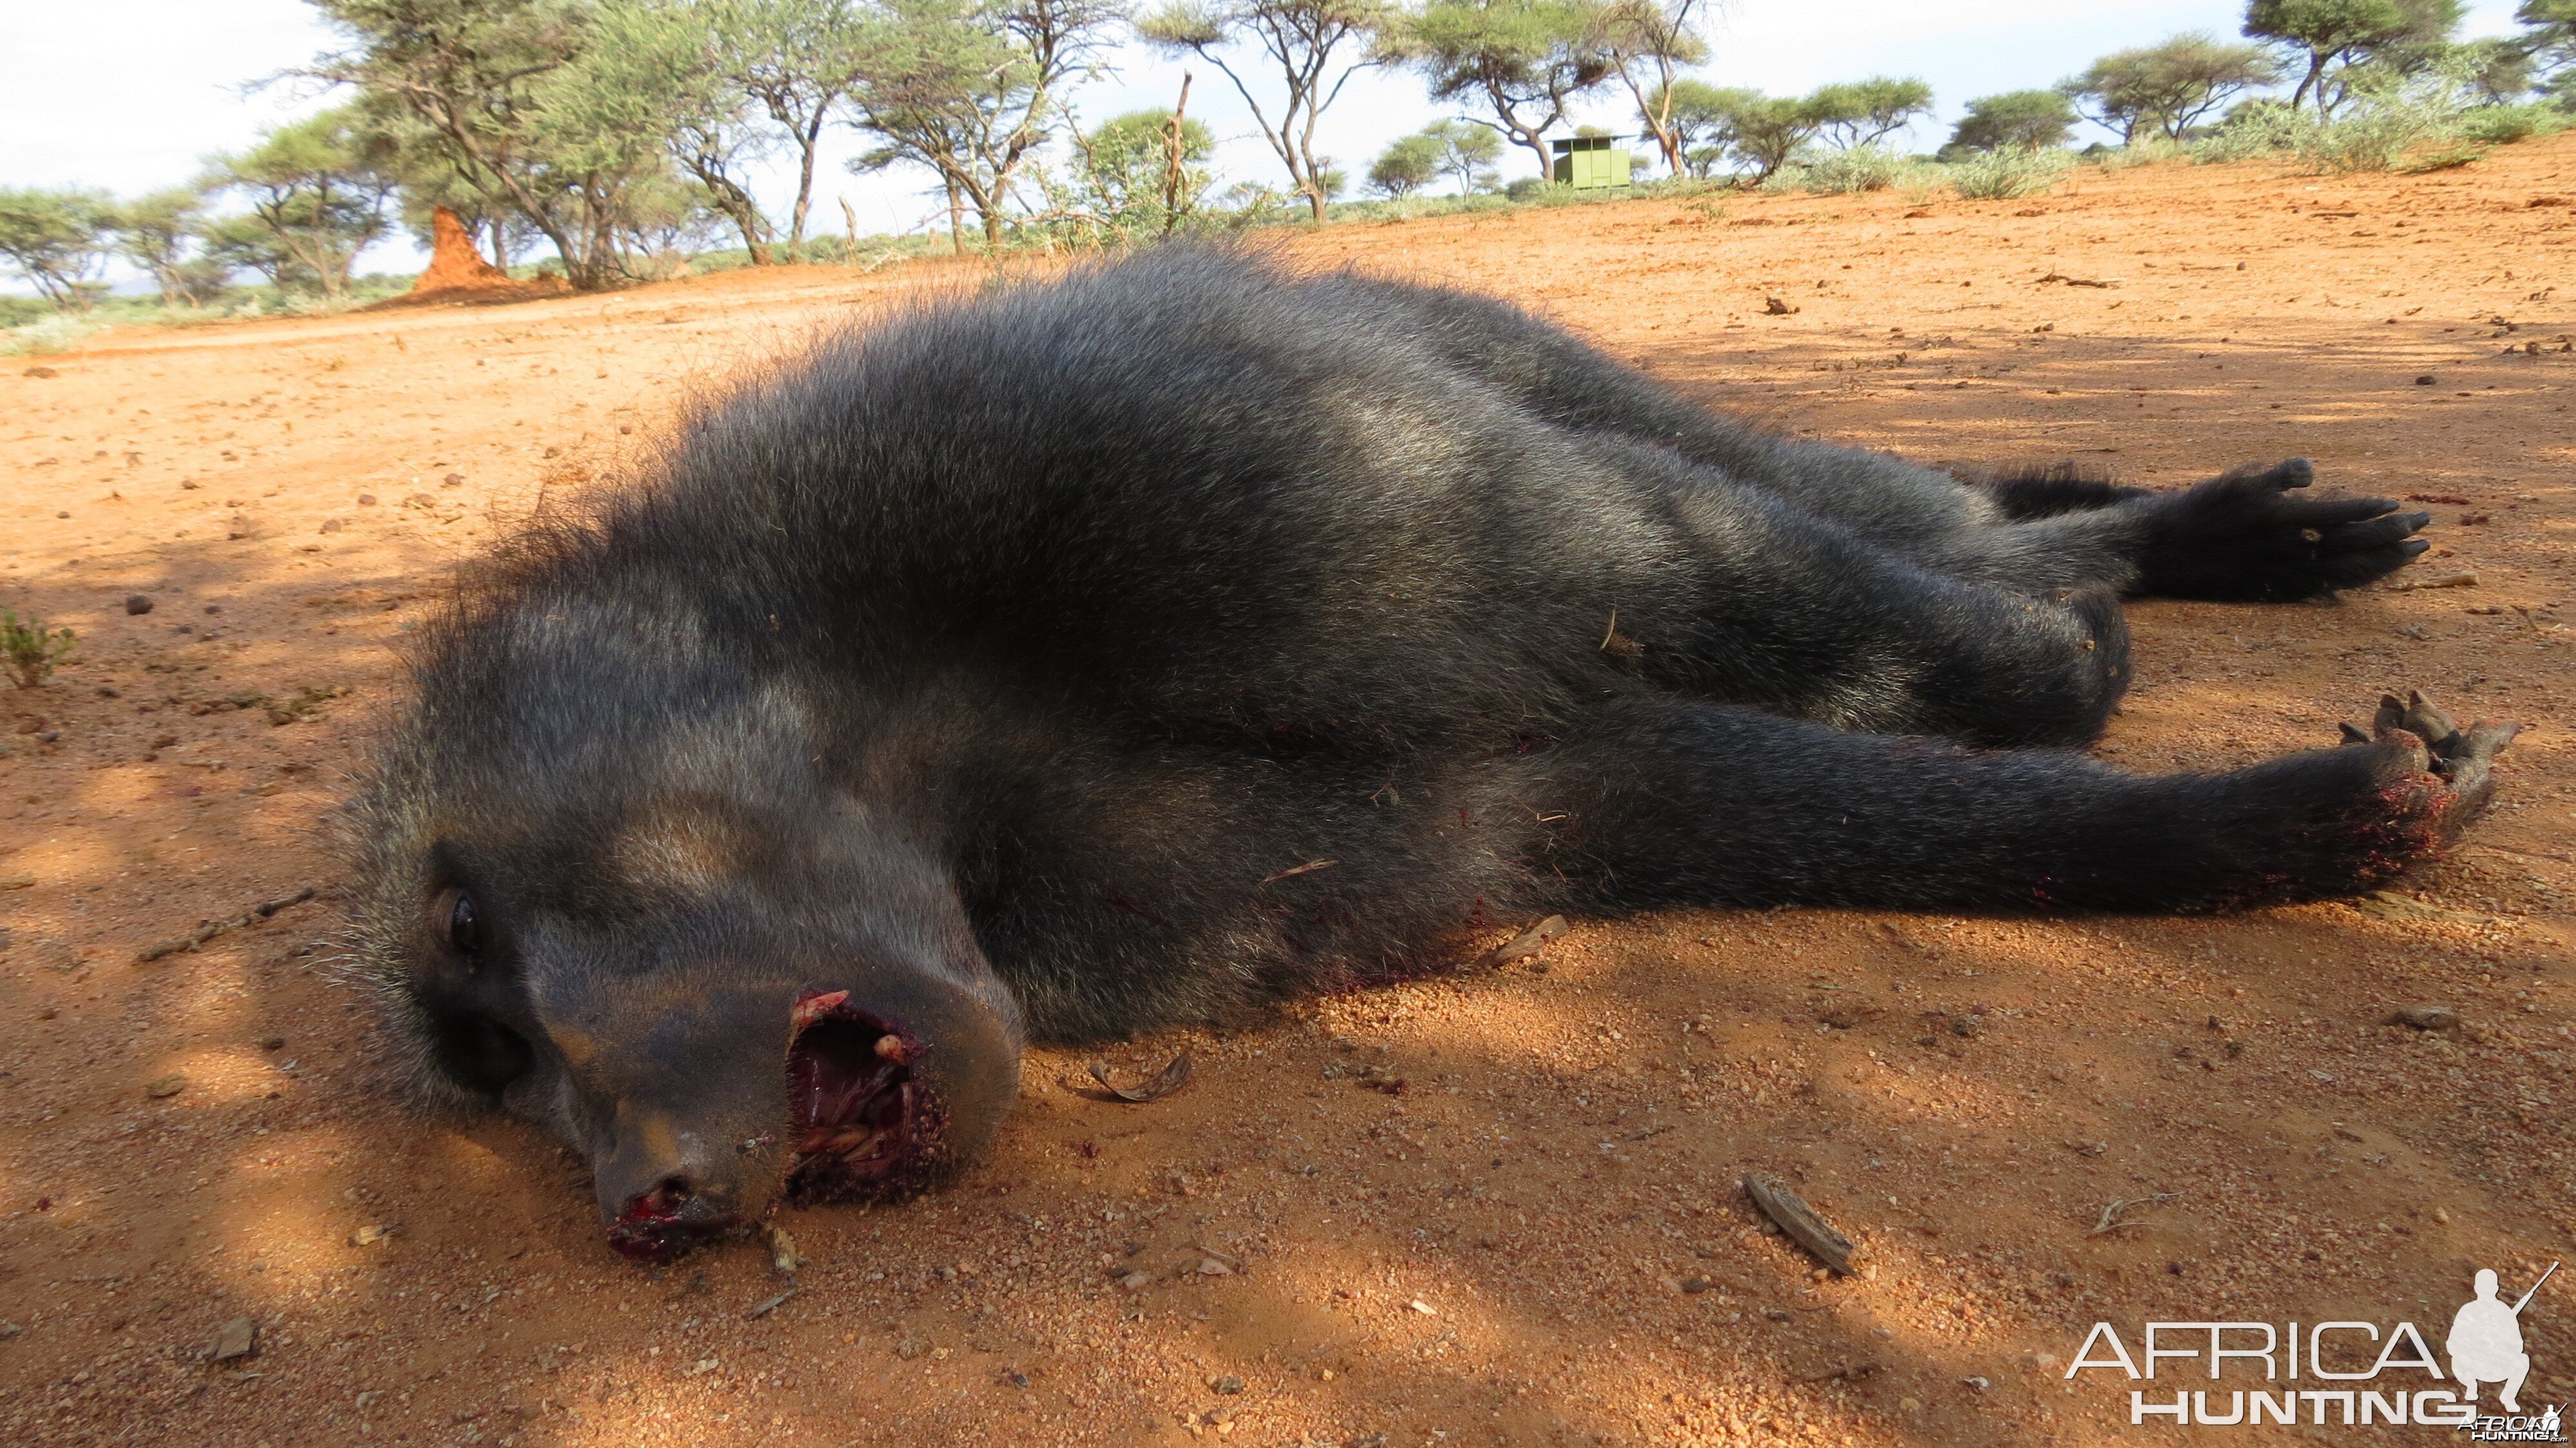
{"points": [[736, 1097]]}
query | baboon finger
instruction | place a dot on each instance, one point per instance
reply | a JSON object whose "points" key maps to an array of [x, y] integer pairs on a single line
{"points": [[2329, 513], [2350, 570], [2289, 473], [2427, 721], [2377, 533]]}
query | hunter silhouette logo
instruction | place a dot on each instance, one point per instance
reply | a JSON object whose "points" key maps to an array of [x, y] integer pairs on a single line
{"points": [[2486, 1341]]}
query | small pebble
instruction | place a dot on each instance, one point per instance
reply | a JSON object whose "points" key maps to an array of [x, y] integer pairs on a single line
{"points": [[1229, 1384], [138, 604], [366, 500], [162, 1086], [2426, 1018], [238, 1339]]}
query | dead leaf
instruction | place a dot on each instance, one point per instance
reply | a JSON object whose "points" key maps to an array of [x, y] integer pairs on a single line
{"points": [[1166, 1081], [1526, 944]]}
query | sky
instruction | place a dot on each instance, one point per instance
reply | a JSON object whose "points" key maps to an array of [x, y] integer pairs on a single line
{"points": [[132, 99]]}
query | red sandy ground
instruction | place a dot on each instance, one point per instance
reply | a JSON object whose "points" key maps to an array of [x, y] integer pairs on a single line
{"points": [[1965, 1096]]}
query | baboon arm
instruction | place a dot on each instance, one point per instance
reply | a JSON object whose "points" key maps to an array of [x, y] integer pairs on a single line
{"points": [[1676, 804]]}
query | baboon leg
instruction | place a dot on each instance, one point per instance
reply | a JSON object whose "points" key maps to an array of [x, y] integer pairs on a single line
{"points": [[2239, 537], [2051, 490], [1678, 804], [1762, 604], [2245, 536]]}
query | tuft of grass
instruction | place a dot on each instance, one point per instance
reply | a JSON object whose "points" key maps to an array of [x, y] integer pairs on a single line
{"points": [[1850, 173], [28, 651], [2504, 125], [2145, 150], [46, 336], [2009, 174]]}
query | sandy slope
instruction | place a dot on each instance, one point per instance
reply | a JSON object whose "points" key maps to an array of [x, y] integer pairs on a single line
{"points": [[1502, 1252]]}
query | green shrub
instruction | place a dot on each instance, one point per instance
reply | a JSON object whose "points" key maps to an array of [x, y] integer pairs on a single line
{"points": [[1847, 173], [28, 652], [1923, 183], [2504, 125], [2386, 119], [2146, 149], [2007, 175], [46, 336]]}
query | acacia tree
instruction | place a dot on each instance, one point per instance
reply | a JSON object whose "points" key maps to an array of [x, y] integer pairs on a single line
{"points": [[1859, 113], [2327, 38], [1650, 41], [156, 233], [797, 60], [1729, 126], [2549, 36], [2170, 87], [486, 78], [1467, 153], [1526, 59], [2028, 120], [1313, 46], [1145, 172], [664, 67], [319, 187], [57, 241], [970, 89], [1408, 164]]}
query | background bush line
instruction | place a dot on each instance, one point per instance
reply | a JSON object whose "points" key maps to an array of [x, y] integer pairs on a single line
{"points": [[612, 141]]}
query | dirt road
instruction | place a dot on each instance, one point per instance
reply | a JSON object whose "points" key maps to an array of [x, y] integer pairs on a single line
{"points": [[2029, 1125]]}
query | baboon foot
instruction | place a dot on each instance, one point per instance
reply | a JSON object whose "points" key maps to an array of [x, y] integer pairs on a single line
{"points": [[2244, 537]]}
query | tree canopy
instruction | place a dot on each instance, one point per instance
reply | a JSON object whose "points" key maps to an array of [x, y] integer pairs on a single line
{"points": [[2026, 120], [1312, 47], [1524, 60], [2327, 37], [1864, 112], [2169, 87], [57, 241]]}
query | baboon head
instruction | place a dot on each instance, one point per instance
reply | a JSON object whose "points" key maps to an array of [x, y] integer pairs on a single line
{"points": [[620, 877]]}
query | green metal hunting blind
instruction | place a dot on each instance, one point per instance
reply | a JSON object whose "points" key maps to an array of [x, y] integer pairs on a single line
{"points": [[1588, 161]]}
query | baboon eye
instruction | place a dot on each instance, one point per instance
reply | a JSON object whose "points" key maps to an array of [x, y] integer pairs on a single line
{"points": [[464, 931]]}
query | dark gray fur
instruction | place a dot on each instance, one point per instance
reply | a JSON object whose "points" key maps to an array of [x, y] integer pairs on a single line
{"points": [[1027, 645]]}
